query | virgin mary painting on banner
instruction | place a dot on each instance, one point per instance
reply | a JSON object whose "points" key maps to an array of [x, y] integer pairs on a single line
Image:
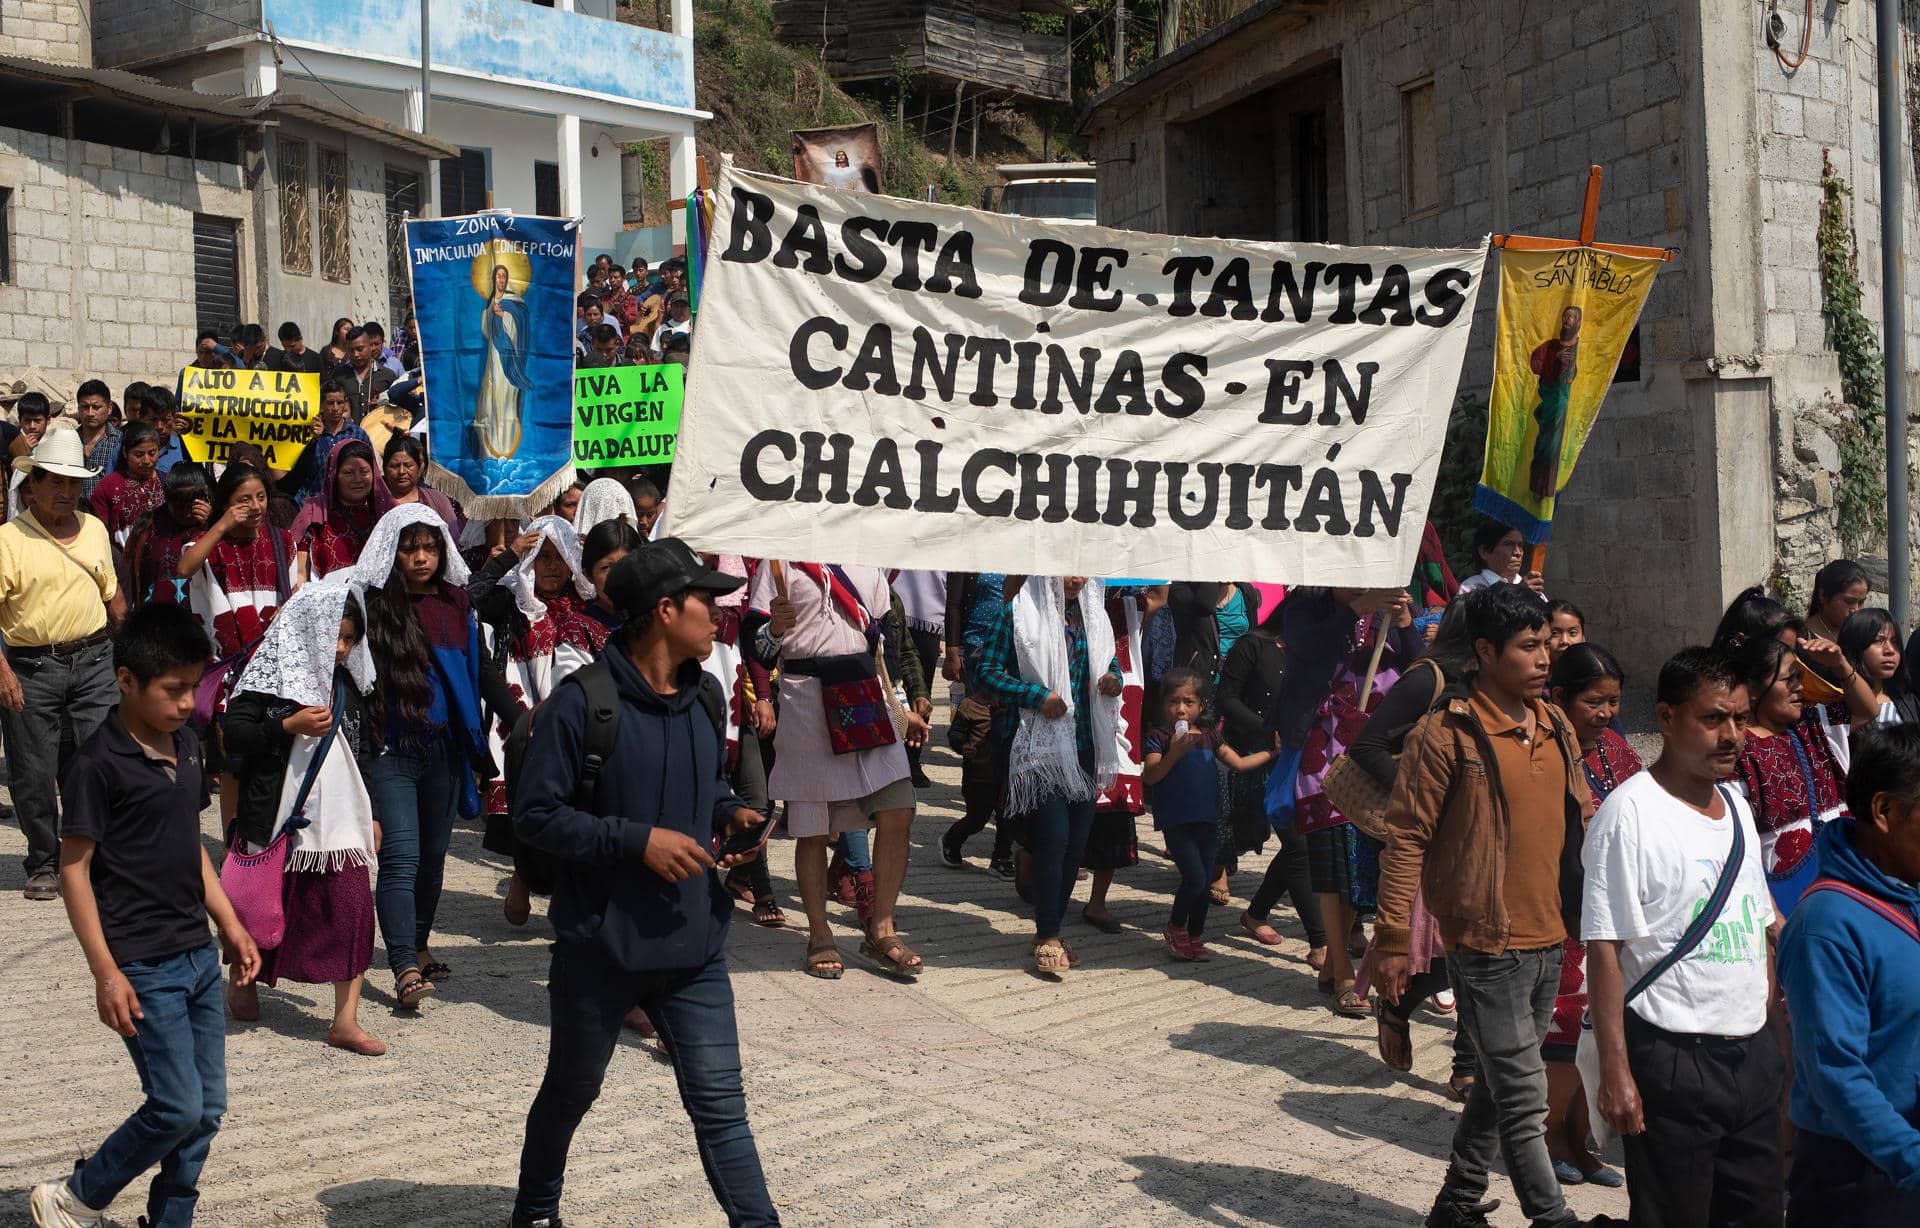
{"points": [[493, 294]]}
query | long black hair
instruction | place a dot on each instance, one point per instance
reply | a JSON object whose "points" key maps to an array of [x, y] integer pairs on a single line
{"points": [[1859, 634], [607, 537], [132, 435], [1761, 662], [236, 476], [1832, 580], [1452, 647], [401, 655], [1754, 616]]}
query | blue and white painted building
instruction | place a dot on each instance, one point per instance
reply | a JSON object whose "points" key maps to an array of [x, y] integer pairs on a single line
{"points": [[538, 97]]}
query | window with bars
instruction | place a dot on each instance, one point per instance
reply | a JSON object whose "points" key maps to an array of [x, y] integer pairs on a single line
{"points": [[403, 201], [296, 195], [546, 189], [463, 183], [336, 259]]}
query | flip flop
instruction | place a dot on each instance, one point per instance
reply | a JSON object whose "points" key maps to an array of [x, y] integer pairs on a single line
{"points": [[1350, 1004], [1271, 936]]}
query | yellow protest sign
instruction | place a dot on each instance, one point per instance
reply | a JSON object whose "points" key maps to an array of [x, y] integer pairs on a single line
{"points": [[1563, 323], [270, 409]]}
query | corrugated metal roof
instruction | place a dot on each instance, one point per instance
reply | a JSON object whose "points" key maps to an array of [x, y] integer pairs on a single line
{"points": [[133, 88]]}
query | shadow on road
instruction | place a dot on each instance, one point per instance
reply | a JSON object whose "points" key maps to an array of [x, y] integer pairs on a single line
{"points": [[1236, 1194], [387, 1203]]}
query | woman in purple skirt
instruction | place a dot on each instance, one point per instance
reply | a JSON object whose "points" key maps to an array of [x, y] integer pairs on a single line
{"points": [[299, 704]]}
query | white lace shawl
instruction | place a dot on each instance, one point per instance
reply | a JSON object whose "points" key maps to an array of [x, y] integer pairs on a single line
{"points": [[376, 558], [520, 581], [604, 499], [1045, 757]]}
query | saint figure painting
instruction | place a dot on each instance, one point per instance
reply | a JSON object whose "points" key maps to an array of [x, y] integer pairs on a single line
{"points": [[503, 365], [1556, 362]]}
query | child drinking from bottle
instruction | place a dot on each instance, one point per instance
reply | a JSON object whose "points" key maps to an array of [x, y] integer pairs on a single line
{"points": [[1183, 788]]}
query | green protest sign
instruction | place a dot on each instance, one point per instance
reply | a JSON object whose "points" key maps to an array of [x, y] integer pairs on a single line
{"points": [[626, 415]]}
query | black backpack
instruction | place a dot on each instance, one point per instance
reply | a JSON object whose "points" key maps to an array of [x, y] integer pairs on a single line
{"points": [[602, 729]]}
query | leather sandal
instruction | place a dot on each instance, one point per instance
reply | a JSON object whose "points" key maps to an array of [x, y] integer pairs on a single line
{"points": [[892, 956]]}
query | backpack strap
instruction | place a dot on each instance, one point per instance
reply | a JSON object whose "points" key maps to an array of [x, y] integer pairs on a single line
{"points": [[1896, 916], [602, 727], [1705, 919]]}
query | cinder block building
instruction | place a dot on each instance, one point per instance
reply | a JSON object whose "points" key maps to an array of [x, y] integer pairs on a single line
{"points": [[1439, 121]]}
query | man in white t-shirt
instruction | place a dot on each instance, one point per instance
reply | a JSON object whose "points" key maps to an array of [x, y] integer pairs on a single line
{"points": [[1690, 1075]]}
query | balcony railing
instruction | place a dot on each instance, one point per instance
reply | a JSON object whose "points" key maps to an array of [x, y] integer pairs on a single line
{"points": [[511, 40]]}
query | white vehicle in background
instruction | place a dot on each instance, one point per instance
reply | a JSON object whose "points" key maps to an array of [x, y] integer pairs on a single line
{"points": [[1057, 191]]}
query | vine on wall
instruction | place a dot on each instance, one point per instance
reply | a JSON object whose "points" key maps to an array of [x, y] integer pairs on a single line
{"points": [[1861, 491]]}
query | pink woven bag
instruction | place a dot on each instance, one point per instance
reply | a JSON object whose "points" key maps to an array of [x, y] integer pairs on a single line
{"points": [[254, 883]]}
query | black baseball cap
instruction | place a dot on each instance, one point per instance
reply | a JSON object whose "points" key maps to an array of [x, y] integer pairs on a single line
{"points": [[665, 568]]}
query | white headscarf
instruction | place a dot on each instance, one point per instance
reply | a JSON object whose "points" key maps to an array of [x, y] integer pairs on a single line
{"points": [[604, 499], [295, 662], [1045, 757], [295, 657], [520, 581], [383, 544]]}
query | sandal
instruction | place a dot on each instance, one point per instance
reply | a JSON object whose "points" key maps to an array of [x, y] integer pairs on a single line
{"points": [[1221, 897], [1460, 1087], [767, 913], [1351, 1004], [892, 956], [1108, 924], [824, 962], [1263, 933], [738, 889], [436, 971], [1073, 956], [518, 906], [1400, 1033], [1050, 958], [410, 989], [1317, 959]]}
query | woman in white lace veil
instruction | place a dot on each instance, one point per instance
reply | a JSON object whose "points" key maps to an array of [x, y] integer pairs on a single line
{"points": [[296, 730]]}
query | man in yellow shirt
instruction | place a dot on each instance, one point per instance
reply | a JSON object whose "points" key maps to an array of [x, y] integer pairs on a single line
{"points": [[58, 604]]}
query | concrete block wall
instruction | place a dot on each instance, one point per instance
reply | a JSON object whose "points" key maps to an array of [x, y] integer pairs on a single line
{"points": [[130, 33], [56, 31], [103, 257]]}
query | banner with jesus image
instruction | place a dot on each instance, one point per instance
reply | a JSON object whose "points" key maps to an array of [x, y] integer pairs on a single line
{"points": [[493, 297], [1565, 317]]}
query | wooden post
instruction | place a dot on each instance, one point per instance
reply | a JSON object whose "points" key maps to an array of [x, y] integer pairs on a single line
{"points": [[1119, 40], [973, 150], [953, 121], [1590, 214]]}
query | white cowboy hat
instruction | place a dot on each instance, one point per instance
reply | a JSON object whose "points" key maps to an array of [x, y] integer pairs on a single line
{"points": [[59, 451]]}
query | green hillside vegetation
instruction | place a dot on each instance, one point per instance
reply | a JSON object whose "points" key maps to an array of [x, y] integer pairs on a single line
{"points": [[759, 90]]}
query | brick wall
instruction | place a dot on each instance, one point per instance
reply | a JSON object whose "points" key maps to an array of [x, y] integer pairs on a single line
{"points": [[103, 257], [133, 32], [52, 30]]}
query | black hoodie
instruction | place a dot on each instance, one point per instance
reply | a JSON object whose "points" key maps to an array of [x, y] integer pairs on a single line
{"points": [[665, 771]]}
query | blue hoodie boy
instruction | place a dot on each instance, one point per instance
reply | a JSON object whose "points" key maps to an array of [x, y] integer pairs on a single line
{"points": [[665, 771], [1853, 991]]}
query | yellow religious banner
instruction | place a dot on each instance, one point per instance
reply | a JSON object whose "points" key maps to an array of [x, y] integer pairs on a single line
{"points": [[273, 410], [1565, 317]]}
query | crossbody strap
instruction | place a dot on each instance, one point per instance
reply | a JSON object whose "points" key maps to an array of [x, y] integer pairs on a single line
{"points": [[1897, 916], [295, 818], [26, 522], [1705, 919]]}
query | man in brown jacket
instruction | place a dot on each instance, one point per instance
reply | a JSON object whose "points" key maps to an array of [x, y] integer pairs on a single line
{"points": [[1486, 820]]}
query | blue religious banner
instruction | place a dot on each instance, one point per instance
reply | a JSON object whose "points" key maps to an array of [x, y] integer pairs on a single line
{"points": [[493, 297]]}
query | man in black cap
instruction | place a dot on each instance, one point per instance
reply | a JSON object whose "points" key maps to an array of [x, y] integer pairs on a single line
{"points": [[638, 907]]}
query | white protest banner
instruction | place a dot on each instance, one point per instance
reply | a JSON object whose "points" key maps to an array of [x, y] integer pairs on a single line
{"points": [[894, 383]]}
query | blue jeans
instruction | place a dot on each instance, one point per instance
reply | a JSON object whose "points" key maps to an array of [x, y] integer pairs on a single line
{"points": [[1506, 1007], [1193, 847], [414, 797], [1056, 838], [693, 1010], [857, 850], [180, 1050]]}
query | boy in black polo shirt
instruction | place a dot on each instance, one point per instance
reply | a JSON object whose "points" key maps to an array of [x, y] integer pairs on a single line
{"points": [[139, 889]]}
